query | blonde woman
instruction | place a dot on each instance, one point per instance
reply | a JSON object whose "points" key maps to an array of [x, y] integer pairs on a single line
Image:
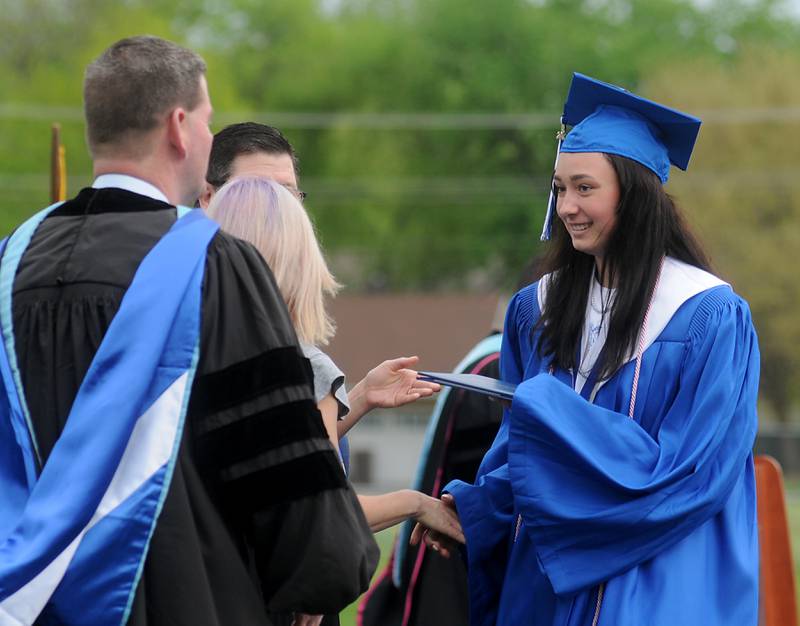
{"points": [[273, 220]]}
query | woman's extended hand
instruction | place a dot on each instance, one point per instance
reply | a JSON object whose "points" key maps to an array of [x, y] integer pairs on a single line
{"points": [[393, 384]]}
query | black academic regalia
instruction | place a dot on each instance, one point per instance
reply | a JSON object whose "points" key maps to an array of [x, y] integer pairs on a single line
{"points": [[259, 519], [433, 590]]}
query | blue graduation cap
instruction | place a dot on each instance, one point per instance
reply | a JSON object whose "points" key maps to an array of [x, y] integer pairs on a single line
{"points": [[607, 118]]}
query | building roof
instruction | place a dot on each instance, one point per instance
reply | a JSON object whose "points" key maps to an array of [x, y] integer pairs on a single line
{"points": [[439, 328]]}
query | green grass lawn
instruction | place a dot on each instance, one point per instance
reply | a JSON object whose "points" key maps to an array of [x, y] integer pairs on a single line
{"points": [[386, 539]]}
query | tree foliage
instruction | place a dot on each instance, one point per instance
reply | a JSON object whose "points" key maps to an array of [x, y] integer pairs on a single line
{"points": [[406, 199], [742, 192]]}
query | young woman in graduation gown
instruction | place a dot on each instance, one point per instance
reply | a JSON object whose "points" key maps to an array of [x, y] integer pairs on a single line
{"points": [[620, 488]]}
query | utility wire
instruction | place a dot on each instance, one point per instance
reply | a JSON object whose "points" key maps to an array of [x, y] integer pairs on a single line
{"points": [[536, 120]]}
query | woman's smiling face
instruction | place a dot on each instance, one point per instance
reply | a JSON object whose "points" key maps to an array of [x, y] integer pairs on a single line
{"points": [[587, 200]]}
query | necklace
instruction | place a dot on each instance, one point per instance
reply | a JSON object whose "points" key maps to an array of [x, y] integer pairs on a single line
{"points": [[605, 302], [593, 326]]}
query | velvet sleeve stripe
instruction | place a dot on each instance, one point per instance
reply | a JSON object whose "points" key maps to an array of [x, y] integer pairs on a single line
{"points": [[269, 400], [229, 387], [273, 458], [266, 430], [287, 482]]}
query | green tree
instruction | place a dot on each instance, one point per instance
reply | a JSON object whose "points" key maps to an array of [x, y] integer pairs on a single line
{"points": [[402, 199], [743, 193], [422, 206], [45, 49]]}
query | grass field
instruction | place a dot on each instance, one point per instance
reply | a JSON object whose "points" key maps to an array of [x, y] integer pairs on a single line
{"points": [[386, 538]]}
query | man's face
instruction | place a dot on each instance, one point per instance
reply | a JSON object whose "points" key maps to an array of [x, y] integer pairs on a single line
{"points": [[277, 167], [199, 138]]}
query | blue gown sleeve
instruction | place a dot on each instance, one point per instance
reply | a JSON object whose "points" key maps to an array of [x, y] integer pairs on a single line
{"points": [[597, 493], [486, 508]]}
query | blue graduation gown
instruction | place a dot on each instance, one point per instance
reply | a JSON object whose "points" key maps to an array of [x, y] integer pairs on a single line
{"points": [[661, 507]]}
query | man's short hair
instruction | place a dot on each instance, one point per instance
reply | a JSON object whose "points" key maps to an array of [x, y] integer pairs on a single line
{"points": [[244, 138], [136, 81]]}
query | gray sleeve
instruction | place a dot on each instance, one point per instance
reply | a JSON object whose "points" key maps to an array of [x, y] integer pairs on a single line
{"points": [[328, 378]]}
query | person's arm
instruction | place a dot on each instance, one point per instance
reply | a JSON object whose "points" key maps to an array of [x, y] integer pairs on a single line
{"points": [[390, 384], [486, 508], [329, 409], [262, 448], [388, 509], [583, 476]]}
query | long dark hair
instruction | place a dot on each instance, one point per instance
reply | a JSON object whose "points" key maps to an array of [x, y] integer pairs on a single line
{"points": [[649, 226]]}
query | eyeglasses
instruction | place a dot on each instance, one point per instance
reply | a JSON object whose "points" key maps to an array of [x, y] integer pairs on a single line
{"points": [[297, 193], [300, 195]]}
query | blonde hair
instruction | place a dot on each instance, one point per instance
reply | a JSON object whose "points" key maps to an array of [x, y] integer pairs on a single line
{"points": [[267, 215]]}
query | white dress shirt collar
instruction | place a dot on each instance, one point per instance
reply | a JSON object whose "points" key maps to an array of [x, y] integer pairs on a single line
{"points": [[130, 183]]}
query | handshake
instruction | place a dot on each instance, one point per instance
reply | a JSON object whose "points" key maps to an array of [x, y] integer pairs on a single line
{"points": [[438, 525]]}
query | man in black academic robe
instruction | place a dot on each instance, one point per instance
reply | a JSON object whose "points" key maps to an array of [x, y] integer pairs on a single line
{"points": [[258, 521]]}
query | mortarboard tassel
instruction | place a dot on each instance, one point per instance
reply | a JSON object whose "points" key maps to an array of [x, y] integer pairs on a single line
{"points": [[547, 228]]}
